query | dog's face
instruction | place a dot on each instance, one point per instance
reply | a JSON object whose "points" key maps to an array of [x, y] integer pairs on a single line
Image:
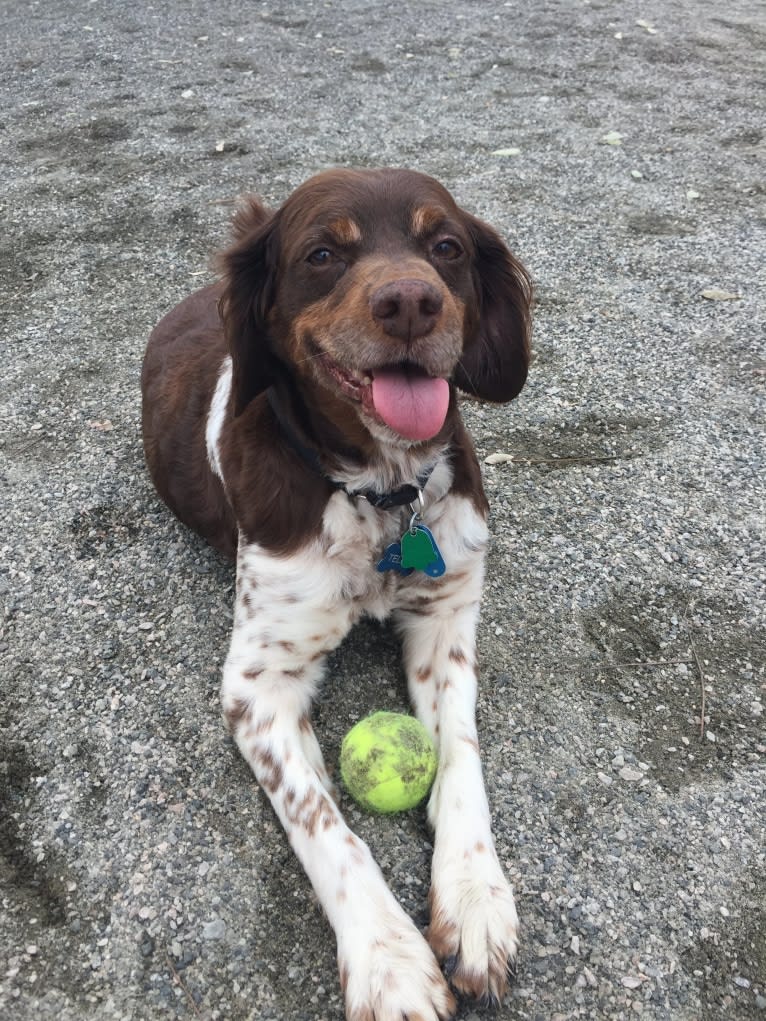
{"points": [[377, 291], [374, 288]]}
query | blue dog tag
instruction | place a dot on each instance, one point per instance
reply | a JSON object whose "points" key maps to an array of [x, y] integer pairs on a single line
{"points": [[392, 560]]}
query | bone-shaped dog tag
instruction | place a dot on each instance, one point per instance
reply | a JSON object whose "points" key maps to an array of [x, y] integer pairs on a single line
{"points": [[392, 560]]}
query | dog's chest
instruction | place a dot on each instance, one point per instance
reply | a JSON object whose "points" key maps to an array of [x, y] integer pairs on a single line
{"points": [[354, 539], [332, 581]]}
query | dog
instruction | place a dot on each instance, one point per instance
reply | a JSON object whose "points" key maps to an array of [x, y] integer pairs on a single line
{"points": [[301, 415]]}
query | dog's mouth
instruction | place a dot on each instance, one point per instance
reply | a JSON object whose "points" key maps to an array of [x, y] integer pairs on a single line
{"points": [[402, 396]]}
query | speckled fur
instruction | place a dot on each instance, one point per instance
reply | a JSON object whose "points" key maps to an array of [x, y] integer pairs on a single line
{"points": [[306, 551], [290, 613]]}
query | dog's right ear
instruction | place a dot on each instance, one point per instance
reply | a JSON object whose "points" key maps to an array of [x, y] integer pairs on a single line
{"points": [[494, 365], [250, 273]]}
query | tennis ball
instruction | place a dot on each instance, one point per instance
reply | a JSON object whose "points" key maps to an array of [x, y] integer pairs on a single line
{"points": [[388, 762]]}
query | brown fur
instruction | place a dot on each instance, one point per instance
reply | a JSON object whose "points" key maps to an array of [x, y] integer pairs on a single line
{"points": [[360, 278], [273, 310]]}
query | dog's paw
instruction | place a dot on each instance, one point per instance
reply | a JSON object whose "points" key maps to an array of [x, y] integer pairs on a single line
{"points": [[389, 972], [474, 925]]}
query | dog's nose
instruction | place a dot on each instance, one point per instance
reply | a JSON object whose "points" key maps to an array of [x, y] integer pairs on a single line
{"points": [[407, 308]]}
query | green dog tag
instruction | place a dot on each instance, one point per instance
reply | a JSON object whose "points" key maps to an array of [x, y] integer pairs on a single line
{"points": [[417, 549]]}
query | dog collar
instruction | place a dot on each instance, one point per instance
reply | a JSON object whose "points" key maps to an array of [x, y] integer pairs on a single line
{"points": [[410, 493]]}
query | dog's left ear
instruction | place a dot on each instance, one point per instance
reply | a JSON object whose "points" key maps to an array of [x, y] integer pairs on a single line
{"points": [[494, 364], [250, 272]]}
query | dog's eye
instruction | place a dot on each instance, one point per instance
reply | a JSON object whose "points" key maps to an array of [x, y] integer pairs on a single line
{"points": [[447, 248], [321, 257]]}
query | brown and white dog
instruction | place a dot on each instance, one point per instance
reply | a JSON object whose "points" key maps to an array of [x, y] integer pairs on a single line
{"points": [[297, 416]]}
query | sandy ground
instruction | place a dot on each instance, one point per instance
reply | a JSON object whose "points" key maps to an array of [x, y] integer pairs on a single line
{"points": [[620, 148]]}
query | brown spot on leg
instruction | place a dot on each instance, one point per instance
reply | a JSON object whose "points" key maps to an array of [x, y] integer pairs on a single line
{"points": [[311, 811], [458, 656], [422, 674], [321, 812], [237, 713], [269, 769], [442, 933], [356, 853], [344, 976]]}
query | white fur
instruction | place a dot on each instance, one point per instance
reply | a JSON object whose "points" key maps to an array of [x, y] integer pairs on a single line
{"points": [[291, 612], [217, 416]]}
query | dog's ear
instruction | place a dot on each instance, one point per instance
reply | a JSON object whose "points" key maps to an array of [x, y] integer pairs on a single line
{"points": [[494, 364], [250, 272]]}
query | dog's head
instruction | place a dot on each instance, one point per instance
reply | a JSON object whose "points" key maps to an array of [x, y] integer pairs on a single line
{"points": [[375, 292]]}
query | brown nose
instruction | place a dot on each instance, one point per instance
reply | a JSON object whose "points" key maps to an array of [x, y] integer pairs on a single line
{"points": [[407, 308]]}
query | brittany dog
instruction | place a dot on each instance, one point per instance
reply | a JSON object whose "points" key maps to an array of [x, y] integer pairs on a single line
{"points": [[302, 416]]}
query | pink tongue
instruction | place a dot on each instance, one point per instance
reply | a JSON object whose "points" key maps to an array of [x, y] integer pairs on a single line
{"points": [[413, 406]]}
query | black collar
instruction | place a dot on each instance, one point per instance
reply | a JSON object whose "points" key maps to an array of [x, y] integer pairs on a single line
{"points": [[382, 501]]}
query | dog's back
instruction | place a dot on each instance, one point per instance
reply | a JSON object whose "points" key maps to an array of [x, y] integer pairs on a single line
{"points": [[178, 379]]}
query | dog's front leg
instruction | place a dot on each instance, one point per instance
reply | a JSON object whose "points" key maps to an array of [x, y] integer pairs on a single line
{"points": [[288, 616], [473, 917]]}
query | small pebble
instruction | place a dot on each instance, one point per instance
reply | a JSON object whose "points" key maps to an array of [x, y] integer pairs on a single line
{"points": [[214, 930], [631, 981]]}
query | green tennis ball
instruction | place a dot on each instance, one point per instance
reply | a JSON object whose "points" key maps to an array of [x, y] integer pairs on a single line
{"points": [[388, 762]]}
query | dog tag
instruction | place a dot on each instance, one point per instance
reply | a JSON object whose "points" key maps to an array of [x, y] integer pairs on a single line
{"points": [[392, 560], [437, 567], [419, 551]]}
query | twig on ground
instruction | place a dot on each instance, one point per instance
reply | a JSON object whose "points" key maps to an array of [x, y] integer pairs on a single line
{"points": [[702, 688], [582, 459], [700, 671], [656, 662], [180, 982]]}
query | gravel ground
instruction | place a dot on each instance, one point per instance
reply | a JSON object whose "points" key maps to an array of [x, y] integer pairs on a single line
{"points": [[620, 147]]}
